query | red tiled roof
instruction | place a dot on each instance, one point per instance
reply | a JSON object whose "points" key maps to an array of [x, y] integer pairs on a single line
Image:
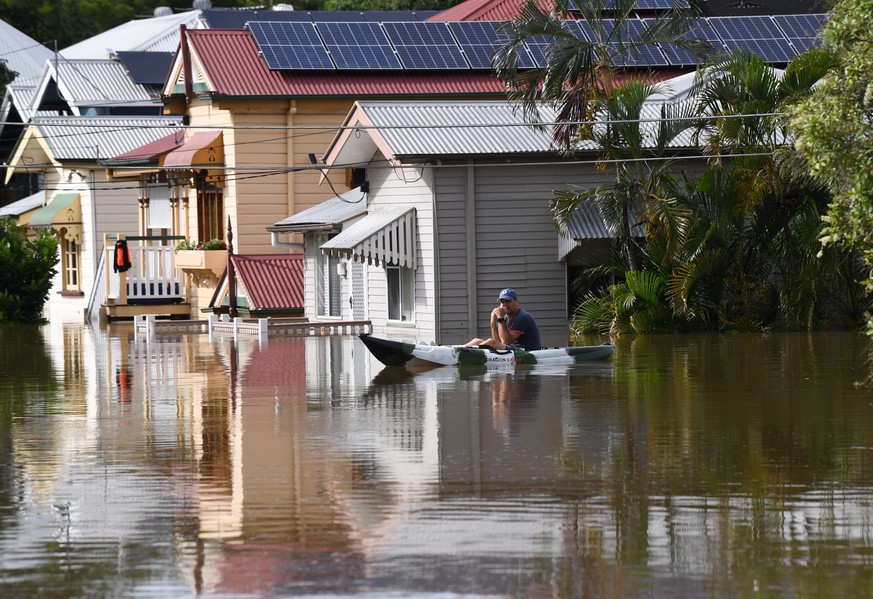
{"points": [[486, 10], [233, 67], [271, 281]]}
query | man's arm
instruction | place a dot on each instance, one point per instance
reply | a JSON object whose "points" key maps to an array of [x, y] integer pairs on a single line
{"points": [[505, 335]]}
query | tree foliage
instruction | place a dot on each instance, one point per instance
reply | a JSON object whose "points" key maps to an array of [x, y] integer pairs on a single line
{"points": [[26, 271], [580, 71], [7, 76], [834, 129], [735, 249]]}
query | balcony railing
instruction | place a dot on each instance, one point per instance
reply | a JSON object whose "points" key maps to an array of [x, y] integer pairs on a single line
{"points": [[152, 278]]}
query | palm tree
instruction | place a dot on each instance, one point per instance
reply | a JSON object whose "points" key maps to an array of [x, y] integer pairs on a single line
{"points": [[582, 67], [644, 190], [743, 103]]}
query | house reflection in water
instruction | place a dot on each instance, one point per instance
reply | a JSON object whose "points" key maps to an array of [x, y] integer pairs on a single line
{"points": [[264, 499], [302, 464]]}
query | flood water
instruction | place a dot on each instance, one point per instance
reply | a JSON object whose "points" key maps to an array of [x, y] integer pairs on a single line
{"points": [[685, 466]]}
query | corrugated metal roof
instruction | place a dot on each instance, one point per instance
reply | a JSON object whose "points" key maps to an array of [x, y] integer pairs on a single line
{"points": [[99, 138], [458, 128], [485, 10], [231, 64], [23, 54], [93, 82], [27, 204], [587, 223], [326, 214], [19, 96], [480, 10], [156, 34], [237, 18], [271, 282]]}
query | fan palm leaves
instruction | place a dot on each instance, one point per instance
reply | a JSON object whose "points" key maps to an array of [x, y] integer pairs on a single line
{"points": [[582, 67]]}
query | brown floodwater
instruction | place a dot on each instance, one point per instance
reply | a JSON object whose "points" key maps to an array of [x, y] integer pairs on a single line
{"points": [[173, 466]]}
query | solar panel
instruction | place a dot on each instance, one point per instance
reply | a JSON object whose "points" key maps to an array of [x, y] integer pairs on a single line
{"points": [[481, 39], [358, 45], [147, 68], [650, 4], [679, 56], [802, 30], [290, 45], [755, 34], [641, 55], [425, 45], [540, 46]]}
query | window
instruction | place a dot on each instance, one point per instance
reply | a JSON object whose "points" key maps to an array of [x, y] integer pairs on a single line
{"points": [[210, 209], [327, 285], [401, 292], [70, 264]]}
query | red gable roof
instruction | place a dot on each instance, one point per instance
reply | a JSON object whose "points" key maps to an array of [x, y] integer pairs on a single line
{"points": [[486, 10], [232, 66]]}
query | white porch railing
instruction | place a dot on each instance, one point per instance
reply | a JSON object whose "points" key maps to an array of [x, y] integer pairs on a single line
{"points": [[153, 277]]}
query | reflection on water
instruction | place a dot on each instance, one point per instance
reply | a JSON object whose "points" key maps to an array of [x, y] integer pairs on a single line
{"points": [[179, 465]]}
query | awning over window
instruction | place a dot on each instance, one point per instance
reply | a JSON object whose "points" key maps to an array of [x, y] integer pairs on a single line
{"points": [[204, 149], [326, 216], [64, 209], [385, 237]]}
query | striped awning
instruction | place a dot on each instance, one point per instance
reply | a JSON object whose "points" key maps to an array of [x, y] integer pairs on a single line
{"points": [[382, 238], [204, 149]]}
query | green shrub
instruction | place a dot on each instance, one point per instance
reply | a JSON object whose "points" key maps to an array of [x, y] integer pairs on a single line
{"points": [[26, 271]]}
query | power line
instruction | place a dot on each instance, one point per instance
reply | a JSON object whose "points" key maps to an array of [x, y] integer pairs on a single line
{"points": [[252, 172]]}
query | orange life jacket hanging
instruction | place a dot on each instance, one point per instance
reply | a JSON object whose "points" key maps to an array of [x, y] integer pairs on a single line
{"points": [[121, 262]]}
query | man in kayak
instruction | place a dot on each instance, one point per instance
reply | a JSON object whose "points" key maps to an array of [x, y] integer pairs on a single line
{"points": [[511, 326]]}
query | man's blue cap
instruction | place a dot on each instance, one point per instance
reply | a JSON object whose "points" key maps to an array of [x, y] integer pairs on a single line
{"points": [[508, 294]]}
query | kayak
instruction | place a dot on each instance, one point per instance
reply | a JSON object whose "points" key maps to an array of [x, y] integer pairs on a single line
{"points": [[397, 353]]}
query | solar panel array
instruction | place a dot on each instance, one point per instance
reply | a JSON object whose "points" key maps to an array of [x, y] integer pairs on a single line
{"points": [[754, 34], [466, 45]]}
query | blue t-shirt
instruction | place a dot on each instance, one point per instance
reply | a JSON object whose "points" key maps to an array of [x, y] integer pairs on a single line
{"points": [[525, 324]]}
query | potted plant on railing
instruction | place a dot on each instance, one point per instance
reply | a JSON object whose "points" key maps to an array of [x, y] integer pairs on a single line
{"points": [[208, 255]]}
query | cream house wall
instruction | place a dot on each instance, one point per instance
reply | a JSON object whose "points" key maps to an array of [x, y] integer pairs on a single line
{"points": [[262, 143], [205, 115]]}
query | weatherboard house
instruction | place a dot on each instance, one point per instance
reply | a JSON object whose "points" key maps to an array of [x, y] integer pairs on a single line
{"points": [[448, 212]]}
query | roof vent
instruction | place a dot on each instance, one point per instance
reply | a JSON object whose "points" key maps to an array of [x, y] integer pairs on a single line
{"points": [[283, 7], [202, 4], [163, 11]]}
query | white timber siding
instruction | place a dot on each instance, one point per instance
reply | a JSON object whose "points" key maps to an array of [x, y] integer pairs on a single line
{"points": [[388, 190], [107, 207]]}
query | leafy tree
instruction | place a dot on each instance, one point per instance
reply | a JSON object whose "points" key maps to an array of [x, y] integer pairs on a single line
{"points": [[739, 248], [7, 76], [744, 101], [834, 129], [26, 272]]}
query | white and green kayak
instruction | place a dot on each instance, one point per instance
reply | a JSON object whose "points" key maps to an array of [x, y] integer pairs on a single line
{"points": [[397, 353]]}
